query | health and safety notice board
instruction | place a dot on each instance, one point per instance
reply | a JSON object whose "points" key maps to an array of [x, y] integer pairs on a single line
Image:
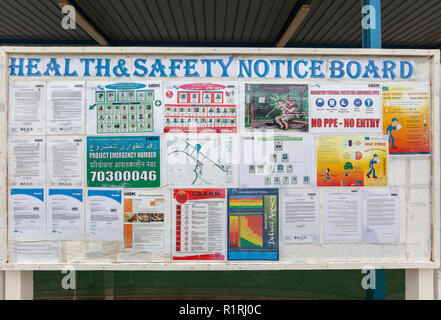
{"points": [[159, 159]]}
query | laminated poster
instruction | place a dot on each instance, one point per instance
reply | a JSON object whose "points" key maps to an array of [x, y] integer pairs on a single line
{"points": [[125, 161], [253, 224], [277, 106], [277, 160], [146, 232], [200, 107], [349, 108], [351, 161], [406, 118], [124, 107], [199, 224], [202, 160]]}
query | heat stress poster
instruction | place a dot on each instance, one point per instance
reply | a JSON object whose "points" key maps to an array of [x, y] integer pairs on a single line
{"points": [[351, 161], [253, 224], [406, 118]]}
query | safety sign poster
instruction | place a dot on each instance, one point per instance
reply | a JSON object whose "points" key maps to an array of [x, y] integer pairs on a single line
{"points": [[253, 224], [279, 160], [406, 118], [130, 162], [198, 224], [200, 107], [124, 107], [277, 106], [351, 161], [345, 108]]}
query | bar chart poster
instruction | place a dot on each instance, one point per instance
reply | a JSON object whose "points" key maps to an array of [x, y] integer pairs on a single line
{"points": [[253, 224]]}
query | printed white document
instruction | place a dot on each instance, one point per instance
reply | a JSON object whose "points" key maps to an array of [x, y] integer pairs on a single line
{"points": [[104, 215], [65, 156], [26, 214], [343, 216], [301, 216], [27, 107], [65, 107], [381, 218], [27, 157], [65, 214]]}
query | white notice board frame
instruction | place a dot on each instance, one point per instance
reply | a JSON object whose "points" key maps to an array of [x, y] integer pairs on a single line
{"points": [[433, 246]]}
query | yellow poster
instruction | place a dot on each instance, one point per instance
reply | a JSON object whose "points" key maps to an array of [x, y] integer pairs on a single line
{"points": [[351, 161], [406, 118]]}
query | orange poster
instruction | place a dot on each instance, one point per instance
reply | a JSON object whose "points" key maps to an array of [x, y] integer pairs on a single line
{"points": [[406, 118]]}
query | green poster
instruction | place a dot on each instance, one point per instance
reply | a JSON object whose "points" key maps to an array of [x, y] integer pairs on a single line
{"points": [[129, 162]]}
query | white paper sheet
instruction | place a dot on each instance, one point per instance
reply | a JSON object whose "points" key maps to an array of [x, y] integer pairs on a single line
{"points": [[35, 251], [27, 107], [342, 216], [104, 215], [65, 161], [26, 165], [381, 218], [65, 214], [65, 107], [301, 216], [26, 214]]}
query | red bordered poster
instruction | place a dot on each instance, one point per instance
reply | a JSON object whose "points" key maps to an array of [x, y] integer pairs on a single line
{"points": [[200, 107], [199, 224]]}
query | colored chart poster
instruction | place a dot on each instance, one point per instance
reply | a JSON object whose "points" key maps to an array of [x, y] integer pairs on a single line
{"points": [[345, 108], [202, 160], [200, 107], [406, 118], [277, 106], [253, 224], [351, 161], [130, 162], [26, 214], [124, 107], [198, 224], [281, 160], [146, 220]]}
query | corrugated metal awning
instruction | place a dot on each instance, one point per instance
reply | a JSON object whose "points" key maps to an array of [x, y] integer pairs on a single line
{"points": [[337, 23]]}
